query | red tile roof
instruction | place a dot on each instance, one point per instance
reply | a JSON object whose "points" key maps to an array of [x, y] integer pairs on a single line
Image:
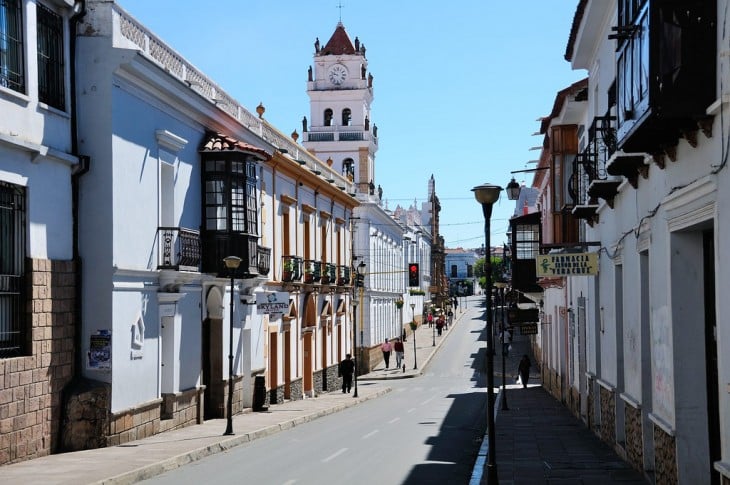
{"points": [[339, 43], [218, 142]]}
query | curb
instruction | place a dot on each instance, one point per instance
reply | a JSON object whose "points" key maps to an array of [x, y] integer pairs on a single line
{"points": [[155, 469]]}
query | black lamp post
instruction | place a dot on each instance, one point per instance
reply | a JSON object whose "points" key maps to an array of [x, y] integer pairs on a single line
{"points": [[232, 263], [413, 314], [501, 285], [433, 332], [354, 340], [487, 195]]}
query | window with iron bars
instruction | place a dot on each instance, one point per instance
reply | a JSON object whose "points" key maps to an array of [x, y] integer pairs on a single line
{"points": [[11, 45], [13, 331], [50, 58]]}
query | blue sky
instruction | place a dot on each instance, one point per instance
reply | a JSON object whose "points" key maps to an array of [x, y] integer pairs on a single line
{"points": [[458, 86]]}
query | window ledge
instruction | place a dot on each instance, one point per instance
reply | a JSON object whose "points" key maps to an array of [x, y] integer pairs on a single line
{"points": [[14, 96]]}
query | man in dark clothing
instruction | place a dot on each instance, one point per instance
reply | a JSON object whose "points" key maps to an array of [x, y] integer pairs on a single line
{"points": [[524, 370], [347, 368]]}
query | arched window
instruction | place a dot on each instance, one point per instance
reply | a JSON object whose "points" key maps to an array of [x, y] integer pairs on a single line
{"points": [[348, 168], [346, 117], [328, 117]]}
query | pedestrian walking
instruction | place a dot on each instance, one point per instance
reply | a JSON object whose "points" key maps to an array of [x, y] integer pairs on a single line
{"points": [[347, 369], [440, 325], [505, 337], [524, 370], [399, 349], [430, 320], [404, 334], [386, 348]]}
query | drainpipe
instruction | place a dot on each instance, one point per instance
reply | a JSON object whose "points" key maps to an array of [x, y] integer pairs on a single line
{"points": [[79, 10]]}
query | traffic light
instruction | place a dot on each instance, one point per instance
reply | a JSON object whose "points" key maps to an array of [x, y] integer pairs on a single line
{"points": [[413, 276]]}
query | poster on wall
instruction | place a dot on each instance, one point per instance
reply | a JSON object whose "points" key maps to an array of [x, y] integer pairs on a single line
{"points": [[100, 350]]}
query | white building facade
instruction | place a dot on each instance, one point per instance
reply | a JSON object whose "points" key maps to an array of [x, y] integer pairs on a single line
{"points": [[638, 351], [180, 177], [39, 170]]}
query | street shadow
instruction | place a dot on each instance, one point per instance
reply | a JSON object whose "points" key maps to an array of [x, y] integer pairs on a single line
{"points": [[455, 444]]}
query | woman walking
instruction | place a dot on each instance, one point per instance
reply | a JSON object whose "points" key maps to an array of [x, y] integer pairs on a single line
{"points": [[387, 347]]}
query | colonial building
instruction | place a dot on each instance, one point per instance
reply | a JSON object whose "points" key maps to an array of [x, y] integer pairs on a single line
{"points": [[182, 177], [39, 172], [635, 163]]}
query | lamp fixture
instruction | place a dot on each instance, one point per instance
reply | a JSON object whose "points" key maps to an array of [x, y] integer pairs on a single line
{"points": [[513, 190]]}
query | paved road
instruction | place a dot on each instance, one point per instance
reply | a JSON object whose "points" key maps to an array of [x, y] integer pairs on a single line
{"points": [[427, 430]]}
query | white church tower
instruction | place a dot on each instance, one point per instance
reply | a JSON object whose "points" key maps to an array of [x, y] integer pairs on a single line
{"points": [[340, 90]]}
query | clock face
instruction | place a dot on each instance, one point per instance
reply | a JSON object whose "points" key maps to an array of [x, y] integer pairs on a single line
{"points": [[337, 74]]}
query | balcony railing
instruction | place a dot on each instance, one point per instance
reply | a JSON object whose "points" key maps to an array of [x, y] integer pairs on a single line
{"points": [[329, 275], [321, 136], [343, 275], [264, 257], [312, 271], [590, 164], [179, 249], [291, 268], [351, 136]]}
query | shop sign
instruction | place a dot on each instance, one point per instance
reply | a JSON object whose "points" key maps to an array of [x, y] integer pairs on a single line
{"points": [[567, 264], [516, 315], [272, 302]]}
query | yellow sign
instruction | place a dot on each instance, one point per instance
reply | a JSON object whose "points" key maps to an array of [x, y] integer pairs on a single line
{"points": [[567, 264]]}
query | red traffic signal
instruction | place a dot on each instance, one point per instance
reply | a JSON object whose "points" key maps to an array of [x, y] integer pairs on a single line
{"points": [[413, 276]]}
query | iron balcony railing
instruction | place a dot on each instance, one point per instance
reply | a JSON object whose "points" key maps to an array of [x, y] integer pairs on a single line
{"points": [[264, 258], [321, 136], [291, 268], [179, 249], [329, 274], [312, 271], [352, 136], [590, 164], [343, 275]]}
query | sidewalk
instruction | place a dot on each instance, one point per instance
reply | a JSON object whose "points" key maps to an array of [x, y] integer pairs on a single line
{"points": [[539, 440], [146, 458]]}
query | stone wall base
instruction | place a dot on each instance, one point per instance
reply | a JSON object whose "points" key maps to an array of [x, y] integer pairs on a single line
{"points": [[86, 415], [182, 409], [31, 383], [135, 423], [634, 437], [608, 416], [665, 457], [219, 397]]}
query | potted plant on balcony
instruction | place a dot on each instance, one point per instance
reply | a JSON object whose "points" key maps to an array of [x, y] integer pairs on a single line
{"points": [[309, 273], [399, 303], [413, 325], [288, 269]]}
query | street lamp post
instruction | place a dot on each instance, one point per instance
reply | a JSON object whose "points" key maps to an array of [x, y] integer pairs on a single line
{"points": [[501, 285], [232, 263], [354, 340], [487, 195], [360, 283], [413, 314], [433, 333]]}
